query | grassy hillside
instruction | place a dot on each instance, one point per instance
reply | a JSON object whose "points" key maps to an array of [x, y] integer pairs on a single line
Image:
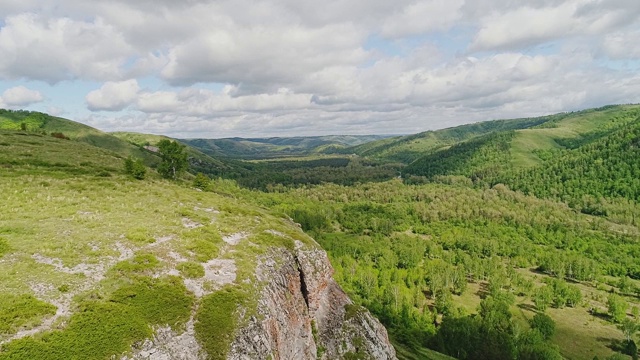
{"points": [[93, 261], [530, 146], [45, 124], [532, 135], [514, 239]]}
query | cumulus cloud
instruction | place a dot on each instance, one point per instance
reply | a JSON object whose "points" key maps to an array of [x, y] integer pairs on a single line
{"points": [[302, 67], [263, 58], [531, 24], [20, 96], [53, 49], [113, 96]]}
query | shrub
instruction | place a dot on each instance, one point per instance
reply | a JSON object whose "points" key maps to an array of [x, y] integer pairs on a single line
{"points": [[617, 308], [59, 135], [105, 329], [135, 168], [140, 264], [202, 182], [162, 301], [544, 324]]}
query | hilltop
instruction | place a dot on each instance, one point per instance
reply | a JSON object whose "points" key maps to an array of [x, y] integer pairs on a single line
{"points": [[95, 265]]}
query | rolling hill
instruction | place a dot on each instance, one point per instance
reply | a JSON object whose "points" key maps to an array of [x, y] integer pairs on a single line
{"points": [[46, 124], [275, 147]]}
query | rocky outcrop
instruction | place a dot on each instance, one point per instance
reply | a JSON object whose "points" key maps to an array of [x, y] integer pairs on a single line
{"points": [[304, 314]]}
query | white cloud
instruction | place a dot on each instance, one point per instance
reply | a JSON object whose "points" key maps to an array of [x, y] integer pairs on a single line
{"points": [[53, 49], [533, 23], [622, 45], [20, 96], [263, 59], [113, 96], [303, 66], [421, 17]]}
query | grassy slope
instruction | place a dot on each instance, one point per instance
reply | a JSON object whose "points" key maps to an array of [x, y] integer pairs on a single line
{"points": [[79, 234], [49, 124], [574, 126]]}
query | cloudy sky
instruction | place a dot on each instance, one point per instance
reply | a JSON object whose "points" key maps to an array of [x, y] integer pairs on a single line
{"points": [[205, 68]]}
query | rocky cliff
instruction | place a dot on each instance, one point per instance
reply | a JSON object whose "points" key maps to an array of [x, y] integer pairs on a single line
{"points": [[304, 314]]}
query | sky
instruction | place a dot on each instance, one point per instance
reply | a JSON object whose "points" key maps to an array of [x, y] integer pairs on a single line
{"points": [[250, 68]]}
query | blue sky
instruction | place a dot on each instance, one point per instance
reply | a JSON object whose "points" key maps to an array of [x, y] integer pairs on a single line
{"points": [[297, 67]]}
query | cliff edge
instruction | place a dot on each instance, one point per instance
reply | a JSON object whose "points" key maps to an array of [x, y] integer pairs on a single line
{"points": [[304, 314]]}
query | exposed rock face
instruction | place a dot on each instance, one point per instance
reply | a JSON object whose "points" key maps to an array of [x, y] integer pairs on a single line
{"points": [[304, 314]]}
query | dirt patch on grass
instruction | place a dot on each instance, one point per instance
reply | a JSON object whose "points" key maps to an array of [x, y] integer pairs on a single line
{"points": [[217, 273], [168, 345], [190, 224]]}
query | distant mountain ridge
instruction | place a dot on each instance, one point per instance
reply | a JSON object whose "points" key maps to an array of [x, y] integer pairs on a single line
{"points": [[269, 147]]}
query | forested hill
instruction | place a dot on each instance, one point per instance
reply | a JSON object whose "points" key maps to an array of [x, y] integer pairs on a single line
{"points": [[409, 148], [532, 133], [261, 148], [589, 159]]}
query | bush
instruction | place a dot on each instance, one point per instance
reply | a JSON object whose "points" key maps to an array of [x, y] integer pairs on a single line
{"points": [[140, 236], [544, 324], [202, 182], [617, 308], [135, 168], [59, 135]]}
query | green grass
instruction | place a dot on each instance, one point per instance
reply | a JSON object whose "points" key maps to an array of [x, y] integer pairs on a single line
{"points": [[140, 236], [527, 144], [18, 311], [99, 330], [217, 320], [4, 247], [191, 270], [102, 328], [163, 301], [140, 264]]}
